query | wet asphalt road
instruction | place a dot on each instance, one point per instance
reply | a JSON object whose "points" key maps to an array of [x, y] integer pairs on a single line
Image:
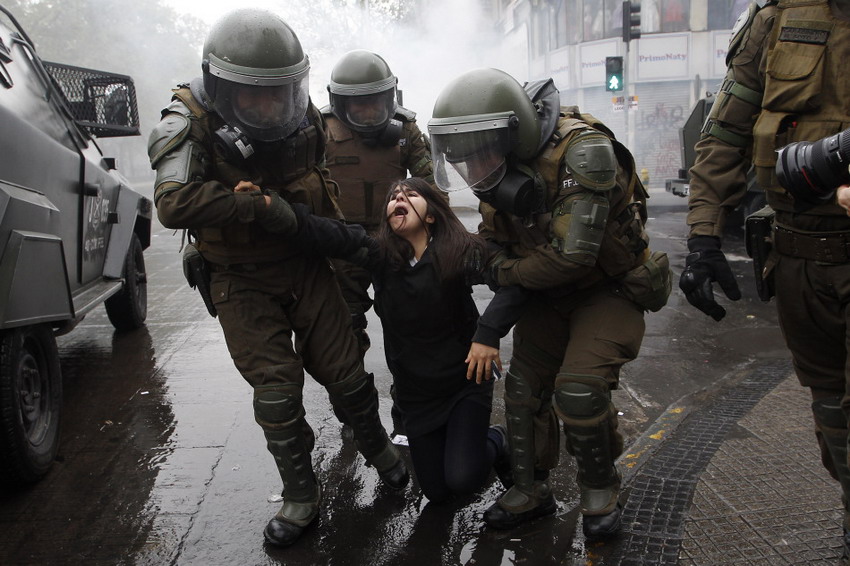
{"points": [[162, 463]]}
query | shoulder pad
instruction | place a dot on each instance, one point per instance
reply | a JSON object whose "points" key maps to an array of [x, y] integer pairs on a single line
{"points": [[326, 110], [742, 24], [177, 107], [590, 159], [196, 87], [171, 131], [405, 114]]}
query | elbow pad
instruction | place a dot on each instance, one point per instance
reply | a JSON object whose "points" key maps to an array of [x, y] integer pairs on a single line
{"points": [[591, 161]]}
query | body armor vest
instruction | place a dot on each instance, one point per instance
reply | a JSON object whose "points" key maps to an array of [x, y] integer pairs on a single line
{"points": [[289, 167], [806, 89], [625, 242], [364, 172]]}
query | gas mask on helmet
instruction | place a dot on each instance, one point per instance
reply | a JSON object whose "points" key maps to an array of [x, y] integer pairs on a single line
{"points": [[520, 192]]}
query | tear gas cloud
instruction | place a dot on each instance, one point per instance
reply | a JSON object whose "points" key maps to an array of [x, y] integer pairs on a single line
{"points": [[442, 40]]}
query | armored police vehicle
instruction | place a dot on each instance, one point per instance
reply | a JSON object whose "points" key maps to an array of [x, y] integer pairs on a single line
{"points": [[689, 135], [72, 234]]}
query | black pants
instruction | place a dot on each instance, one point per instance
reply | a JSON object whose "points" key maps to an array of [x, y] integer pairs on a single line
{"points": [[457, 457]]}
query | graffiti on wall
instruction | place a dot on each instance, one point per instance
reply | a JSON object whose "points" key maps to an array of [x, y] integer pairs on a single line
{"points": [[659, 152], [664, 116]]}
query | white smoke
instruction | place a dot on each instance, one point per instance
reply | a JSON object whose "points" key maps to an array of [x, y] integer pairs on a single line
{"points": [[441, 40]]}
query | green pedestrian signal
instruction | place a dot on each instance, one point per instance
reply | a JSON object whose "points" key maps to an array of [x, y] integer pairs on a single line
{"points": [[613, 73]]}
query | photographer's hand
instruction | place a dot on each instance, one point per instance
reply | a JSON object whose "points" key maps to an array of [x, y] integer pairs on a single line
{"points": [[704, 265], [842, 197]]}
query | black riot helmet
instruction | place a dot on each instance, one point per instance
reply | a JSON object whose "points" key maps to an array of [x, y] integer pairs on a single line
{"points": [[484, 127], [256, 74], [363, 91]]}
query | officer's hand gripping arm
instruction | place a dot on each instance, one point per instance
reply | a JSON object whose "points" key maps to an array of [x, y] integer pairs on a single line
{"points": [[704, 265], [332, 238]]}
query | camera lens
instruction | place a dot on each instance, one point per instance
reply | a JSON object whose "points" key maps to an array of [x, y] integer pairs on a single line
{"points": [[811, 171]]}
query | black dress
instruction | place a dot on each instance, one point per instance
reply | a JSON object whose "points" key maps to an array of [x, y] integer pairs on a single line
{"points": [[428, 328]]}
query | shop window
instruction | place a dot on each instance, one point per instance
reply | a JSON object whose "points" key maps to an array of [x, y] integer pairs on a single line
{"points": [[722, 14], [675, 15], [593, 20]]}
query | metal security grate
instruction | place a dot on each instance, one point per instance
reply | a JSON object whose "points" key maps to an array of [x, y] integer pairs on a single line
{"points": [[103, 103], [661, 493]]}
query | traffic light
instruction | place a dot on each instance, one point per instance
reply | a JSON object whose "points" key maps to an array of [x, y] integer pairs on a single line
{"points": [[613, 73], [631, 21]]}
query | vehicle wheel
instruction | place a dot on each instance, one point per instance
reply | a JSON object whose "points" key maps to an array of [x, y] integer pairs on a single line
{"points": [[128, 308], [30, 399]]}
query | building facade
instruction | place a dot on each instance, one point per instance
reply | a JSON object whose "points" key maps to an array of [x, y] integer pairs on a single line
{"points": [[678, 58]]}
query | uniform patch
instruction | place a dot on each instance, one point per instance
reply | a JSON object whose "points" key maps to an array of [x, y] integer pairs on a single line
{"points": [[402, 141], [569, 182], [804, 35]]}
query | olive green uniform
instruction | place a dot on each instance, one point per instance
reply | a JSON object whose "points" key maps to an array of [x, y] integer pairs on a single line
{"points": [[579, 327], [264, 289], [787, 81], [364, 168]]}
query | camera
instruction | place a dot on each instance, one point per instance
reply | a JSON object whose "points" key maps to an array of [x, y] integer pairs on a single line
{"points": [[812, 171]]}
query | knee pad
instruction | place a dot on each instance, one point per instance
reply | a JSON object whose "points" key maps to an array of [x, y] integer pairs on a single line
{"points": [[831, 430], [278, 407], [828, 413], [581, 397], [354, 391], [584, 405]]}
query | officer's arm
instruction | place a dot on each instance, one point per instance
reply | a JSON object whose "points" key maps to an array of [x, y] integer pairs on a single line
{"points": [[579, 217], [317, 235], [183, 196], [723, 154]]}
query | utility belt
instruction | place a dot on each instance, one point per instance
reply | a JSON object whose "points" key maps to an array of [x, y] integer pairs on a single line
{"points": [[237, 267], [825, 247]]}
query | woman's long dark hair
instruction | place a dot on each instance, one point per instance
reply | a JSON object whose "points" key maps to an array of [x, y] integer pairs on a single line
{"points": [[451, 244]]}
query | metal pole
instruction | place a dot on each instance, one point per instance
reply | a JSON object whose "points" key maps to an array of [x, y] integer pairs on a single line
{"points": [[626, 95]]}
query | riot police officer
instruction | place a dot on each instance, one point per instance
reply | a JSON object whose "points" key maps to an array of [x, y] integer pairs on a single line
{"points": [[232, 150], [560, 196], [786, 81], [372, 142]]}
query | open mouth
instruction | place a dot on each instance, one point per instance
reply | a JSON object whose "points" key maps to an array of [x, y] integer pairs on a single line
{"points": [[400, 211]]}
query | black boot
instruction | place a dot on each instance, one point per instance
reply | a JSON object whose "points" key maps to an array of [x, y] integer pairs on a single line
{"points": [[356, 400], [396, 477], [289, 440], [600, 527], [502, 466], [500, 518], [281, 533]]}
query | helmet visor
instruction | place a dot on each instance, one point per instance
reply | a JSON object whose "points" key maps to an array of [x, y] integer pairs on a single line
{"points": [[474, 159], [365, 113], [264, 113]]}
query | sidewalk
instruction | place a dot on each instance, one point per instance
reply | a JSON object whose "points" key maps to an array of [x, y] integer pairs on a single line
{"points": [[737, 481]]}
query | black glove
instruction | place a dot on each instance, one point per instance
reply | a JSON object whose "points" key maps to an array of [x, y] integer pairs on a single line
{"points": [[491, 272], [279, 217], [366, 256], [704, 265], [332, 238], [473, 266]]}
